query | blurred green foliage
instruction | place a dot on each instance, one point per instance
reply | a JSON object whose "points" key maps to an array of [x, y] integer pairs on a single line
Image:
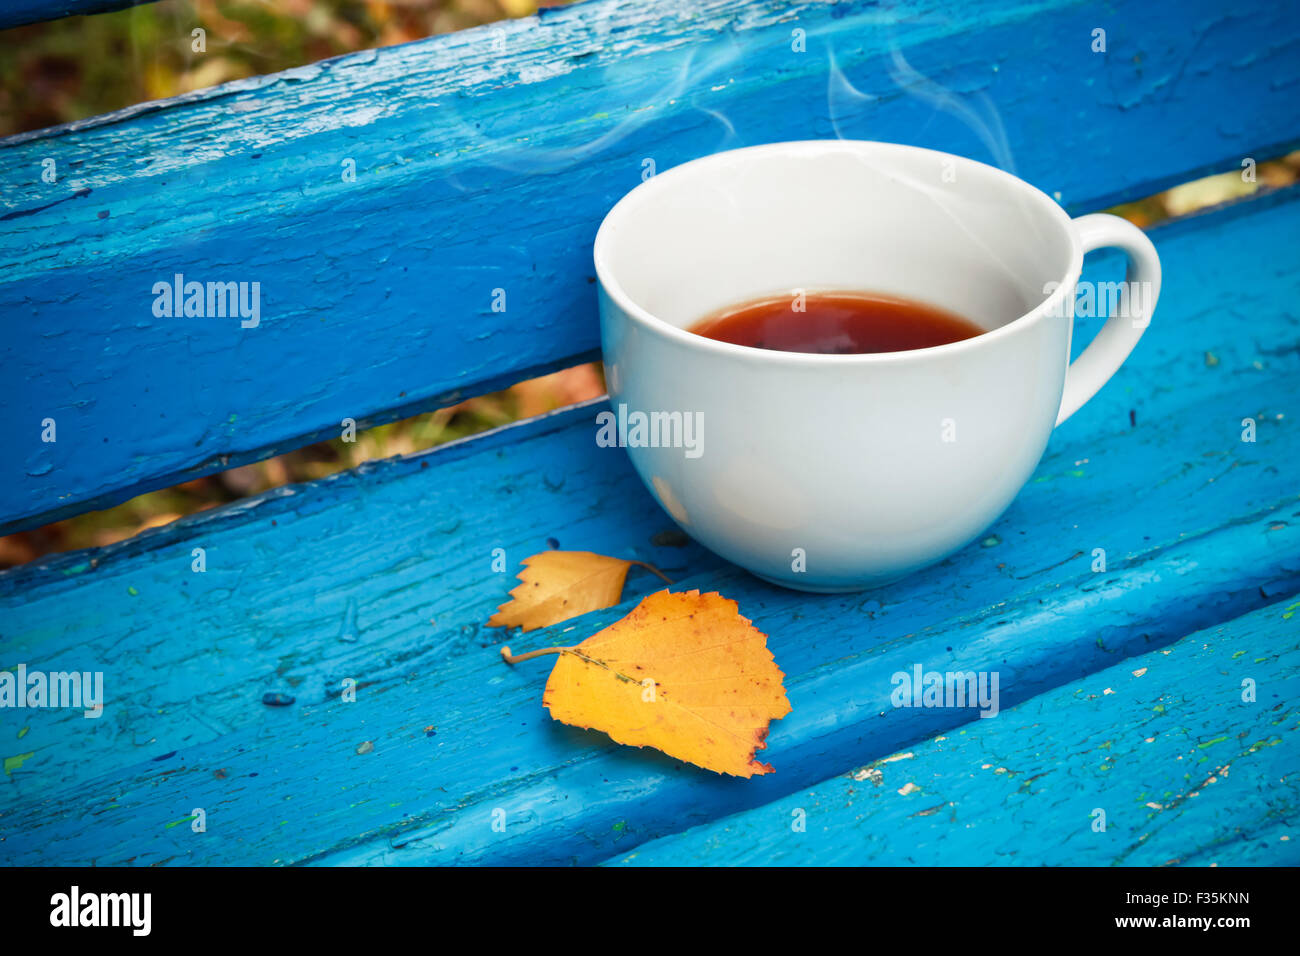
{"points": [[69, 69]]}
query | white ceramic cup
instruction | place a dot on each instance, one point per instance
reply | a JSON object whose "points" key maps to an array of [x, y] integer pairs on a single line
{"points": [[843, 472]]}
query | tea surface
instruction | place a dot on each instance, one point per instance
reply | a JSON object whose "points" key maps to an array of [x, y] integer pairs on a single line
{"points": [[836, 323]]}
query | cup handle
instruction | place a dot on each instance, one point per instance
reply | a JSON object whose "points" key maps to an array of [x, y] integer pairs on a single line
{"points": [[1107, 352]]}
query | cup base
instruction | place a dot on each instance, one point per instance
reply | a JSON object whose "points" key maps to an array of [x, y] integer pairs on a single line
{"points": [[828, 589]]}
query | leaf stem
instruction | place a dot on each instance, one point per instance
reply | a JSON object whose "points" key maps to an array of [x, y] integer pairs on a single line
{"points": [[652, 569], [516, 658]]}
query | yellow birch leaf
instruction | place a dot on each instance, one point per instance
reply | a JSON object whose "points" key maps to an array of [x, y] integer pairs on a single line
{"points": [[558, 585], [683, 673]]}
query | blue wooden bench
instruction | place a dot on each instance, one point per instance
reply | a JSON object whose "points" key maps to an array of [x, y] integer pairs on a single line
{"points": [[380, 200]]}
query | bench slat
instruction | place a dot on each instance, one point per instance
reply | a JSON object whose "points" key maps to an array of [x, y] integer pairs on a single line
{"points": [[1199, 527], [1185, 771], [485, 160]]}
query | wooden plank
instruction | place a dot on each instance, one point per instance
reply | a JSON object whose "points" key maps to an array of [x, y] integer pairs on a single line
{"points": [[1198, 526], [1156, 761], [17, 12], [485, 160]]}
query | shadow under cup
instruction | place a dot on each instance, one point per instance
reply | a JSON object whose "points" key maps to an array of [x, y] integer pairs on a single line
{"points": [[835, 472]]}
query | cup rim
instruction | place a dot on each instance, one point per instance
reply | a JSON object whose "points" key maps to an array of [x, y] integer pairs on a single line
{"points": [[610, 285]]}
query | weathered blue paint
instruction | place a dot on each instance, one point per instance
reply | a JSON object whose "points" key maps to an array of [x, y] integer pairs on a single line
{"points": [[1163, 759], [17, 12], [1198, 526], [485, 160]]}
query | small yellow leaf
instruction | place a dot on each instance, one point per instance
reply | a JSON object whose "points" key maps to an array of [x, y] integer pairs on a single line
{"points": [[558, 585], [683, 673]]}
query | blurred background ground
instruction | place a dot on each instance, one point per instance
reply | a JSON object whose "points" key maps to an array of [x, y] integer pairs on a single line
{"points": [[53, 73]]}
